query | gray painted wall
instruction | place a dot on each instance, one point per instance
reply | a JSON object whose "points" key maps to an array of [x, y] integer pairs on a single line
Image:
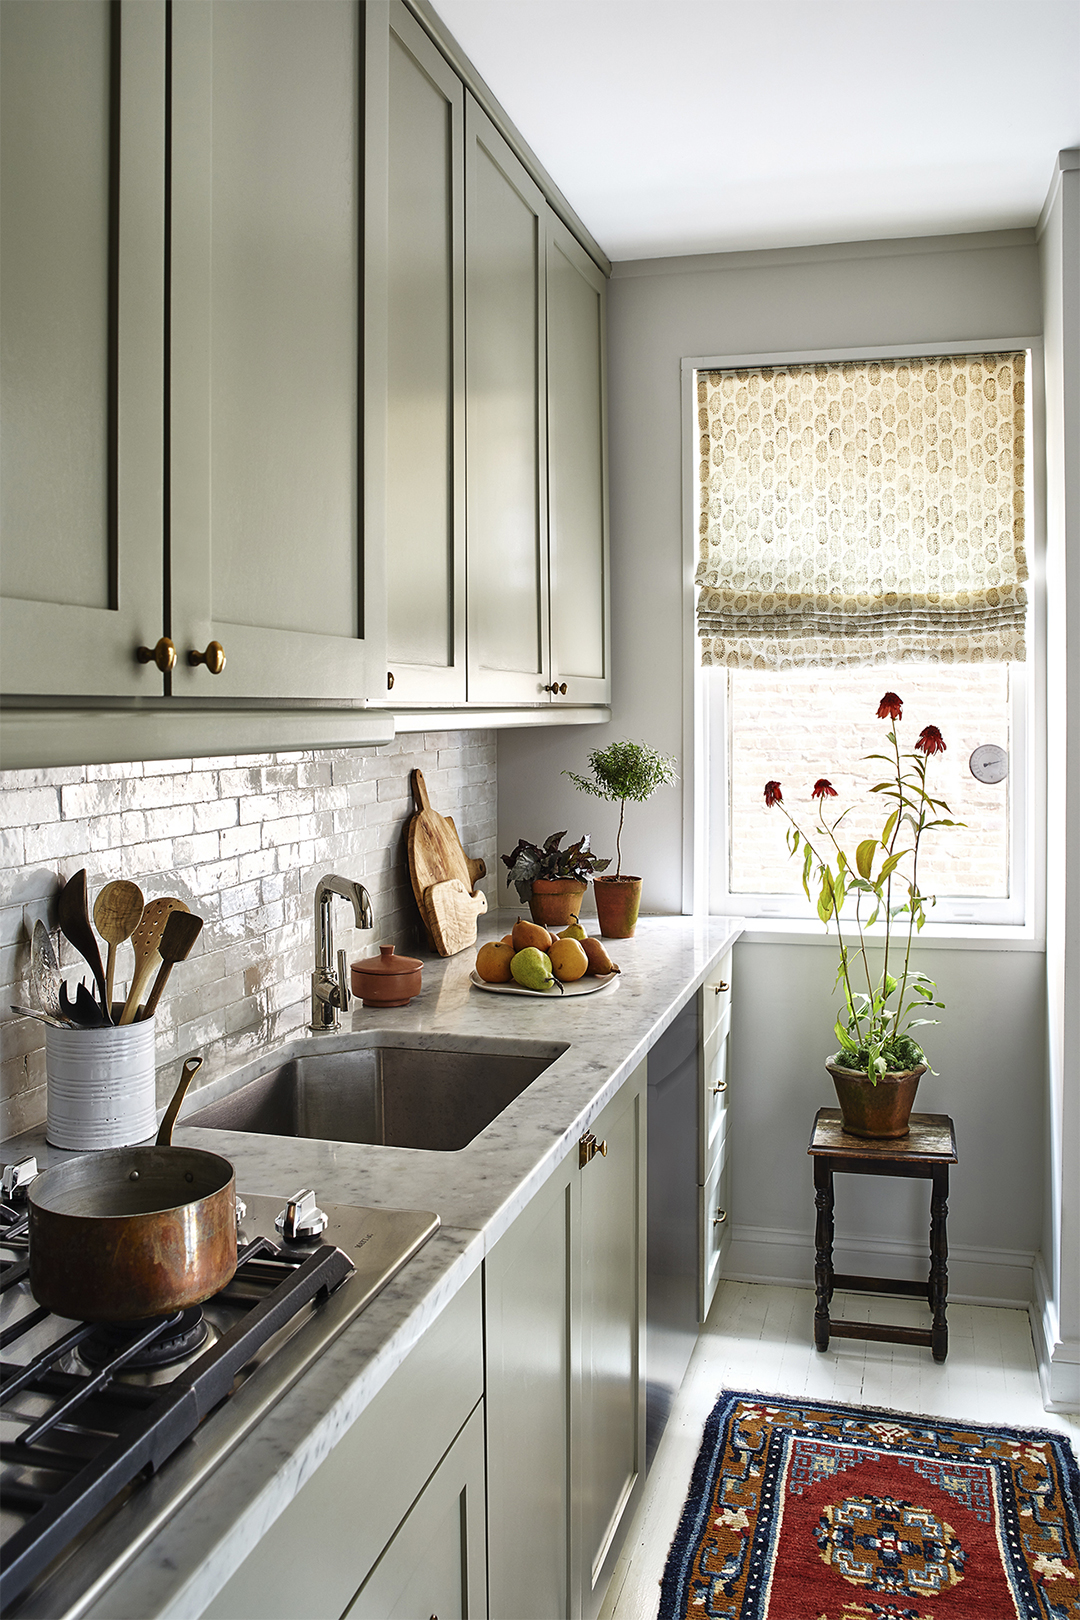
{"points": [[939, 289]]}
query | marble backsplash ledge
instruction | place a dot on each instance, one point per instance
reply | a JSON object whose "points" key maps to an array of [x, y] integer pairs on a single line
{"points": [[242, 841]]}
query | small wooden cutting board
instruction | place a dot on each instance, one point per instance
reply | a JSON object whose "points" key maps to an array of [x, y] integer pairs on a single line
{"points": [[436, 857], [452, 913]]}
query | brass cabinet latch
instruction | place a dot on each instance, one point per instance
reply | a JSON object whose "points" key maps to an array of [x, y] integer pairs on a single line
{"points": [[588, 1148]]}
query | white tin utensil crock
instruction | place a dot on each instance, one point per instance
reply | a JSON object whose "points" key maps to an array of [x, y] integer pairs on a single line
{"points": [[100, 1086]]}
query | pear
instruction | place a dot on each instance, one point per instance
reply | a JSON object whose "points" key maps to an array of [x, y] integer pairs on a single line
{"points": [[575, 930], [493, 962], [600, 962], [530, 933], [568, 960], [532, 969]]}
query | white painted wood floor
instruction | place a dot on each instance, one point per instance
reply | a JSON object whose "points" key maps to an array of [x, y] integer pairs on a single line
{"points": [[762, 1338]]}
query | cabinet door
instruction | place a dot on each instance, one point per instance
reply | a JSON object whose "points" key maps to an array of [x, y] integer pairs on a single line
{"points": [[609, 1419], [82, 276], [267, 523], [435, 1563], [577, 472], [415, 318], [715, 1227], [527, 1395], [506, 502]]}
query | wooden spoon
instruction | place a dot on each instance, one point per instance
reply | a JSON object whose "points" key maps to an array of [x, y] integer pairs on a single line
{"points": [[180, 933], [117, 912], [74, 919], [145, 941]]}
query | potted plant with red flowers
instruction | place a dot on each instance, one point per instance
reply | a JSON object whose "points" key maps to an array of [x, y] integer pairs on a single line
{"points": [[880, 1063]]}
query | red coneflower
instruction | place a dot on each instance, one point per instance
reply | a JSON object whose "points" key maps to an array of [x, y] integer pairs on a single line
{"points": [[823, 789], [773, 794], [930, 741], [891, 707]]}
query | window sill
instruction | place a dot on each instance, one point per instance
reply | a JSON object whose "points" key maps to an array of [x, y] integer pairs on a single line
{"points": [[935, 936]]}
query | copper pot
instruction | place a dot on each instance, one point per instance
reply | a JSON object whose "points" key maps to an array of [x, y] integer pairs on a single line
{"points": [[133, 1232], [386, 980]]}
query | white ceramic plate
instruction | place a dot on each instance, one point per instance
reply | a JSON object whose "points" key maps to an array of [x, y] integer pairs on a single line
{"points": [[580, 987]]}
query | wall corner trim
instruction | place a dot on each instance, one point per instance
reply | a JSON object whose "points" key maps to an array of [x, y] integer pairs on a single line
{"points": [[1058, 1360]]}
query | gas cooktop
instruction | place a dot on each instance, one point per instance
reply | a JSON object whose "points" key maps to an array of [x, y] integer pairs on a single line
{"points": [[105, 1431]]}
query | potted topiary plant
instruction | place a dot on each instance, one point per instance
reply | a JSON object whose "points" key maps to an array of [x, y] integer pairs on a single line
{"points": [[880, 1063], [550, 879], [622, 771]]}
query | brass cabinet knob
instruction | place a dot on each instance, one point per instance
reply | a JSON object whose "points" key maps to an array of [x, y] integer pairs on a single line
{"points": [[721, 1085], [163, 655], [556, 687], [718, 989], [720, 1217], [389, 680], [588, 1148], [213, 657]]}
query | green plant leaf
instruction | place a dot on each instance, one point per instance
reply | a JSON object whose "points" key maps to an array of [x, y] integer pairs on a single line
{"points": [[864, 856], [888, 829], [844, 1038], [825, 898]]}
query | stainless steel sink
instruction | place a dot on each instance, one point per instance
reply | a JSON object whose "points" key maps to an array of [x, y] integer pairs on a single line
{"points": [[386, 1093]]}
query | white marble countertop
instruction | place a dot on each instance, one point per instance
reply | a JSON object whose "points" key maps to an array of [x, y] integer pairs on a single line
{"points": [[476, 1191]]}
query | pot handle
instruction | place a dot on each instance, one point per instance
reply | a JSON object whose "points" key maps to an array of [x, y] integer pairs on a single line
{"points": [[192, 1065]]}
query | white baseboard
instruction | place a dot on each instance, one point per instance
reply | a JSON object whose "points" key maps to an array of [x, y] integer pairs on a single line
{"points": [[1002, 1277], [1059, 1360]]}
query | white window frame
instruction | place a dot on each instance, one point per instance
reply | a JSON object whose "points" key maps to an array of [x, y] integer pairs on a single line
{"points": [[1018, 920]]}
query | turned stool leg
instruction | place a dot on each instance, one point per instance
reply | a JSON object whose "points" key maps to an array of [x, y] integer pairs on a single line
{"points": [[823, 1239], [939, 1273]]}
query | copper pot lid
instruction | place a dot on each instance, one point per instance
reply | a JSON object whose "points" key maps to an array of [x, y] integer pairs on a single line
{"points": [[387, 963]]}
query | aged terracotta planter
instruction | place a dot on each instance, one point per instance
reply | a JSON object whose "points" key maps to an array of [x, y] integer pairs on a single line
{"points": [[881, 1111], [617, 902], [555, 902]]}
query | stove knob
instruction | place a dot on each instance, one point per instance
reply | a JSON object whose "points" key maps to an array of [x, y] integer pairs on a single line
{"points": [[241, 1209], [16, 1178], [302, 1221]]}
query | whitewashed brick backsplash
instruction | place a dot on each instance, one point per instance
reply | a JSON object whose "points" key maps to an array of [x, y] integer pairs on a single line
{"points": [[243, 842]]}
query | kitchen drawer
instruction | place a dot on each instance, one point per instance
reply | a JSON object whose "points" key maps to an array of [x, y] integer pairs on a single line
{"points": [[716, 997], [315, 1556], [713, 1230], [714, 1099]]}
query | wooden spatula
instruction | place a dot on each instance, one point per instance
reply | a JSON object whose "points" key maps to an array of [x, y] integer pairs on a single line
{"points": [[117, 913], [74, 919], [180, 933], [145, 941]]}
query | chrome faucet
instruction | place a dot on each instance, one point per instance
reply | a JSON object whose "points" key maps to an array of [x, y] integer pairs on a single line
{"points": [[330, 989]]}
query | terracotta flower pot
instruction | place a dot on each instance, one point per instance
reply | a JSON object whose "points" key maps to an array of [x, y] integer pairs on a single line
{"points": [[880, 1111], [555, 902], [617, 902]]}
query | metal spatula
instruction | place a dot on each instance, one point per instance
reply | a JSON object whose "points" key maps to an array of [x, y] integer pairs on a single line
{"points": [[45, 979]]}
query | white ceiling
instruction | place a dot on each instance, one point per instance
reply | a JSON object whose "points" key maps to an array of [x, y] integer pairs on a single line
{"points": [[692, 126]]}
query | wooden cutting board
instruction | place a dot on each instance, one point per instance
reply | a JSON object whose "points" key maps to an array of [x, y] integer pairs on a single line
{"points": [[436, 857], [451, 915]]}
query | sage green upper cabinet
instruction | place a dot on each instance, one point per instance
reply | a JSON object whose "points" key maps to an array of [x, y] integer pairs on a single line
{"points": [[506, 522], [414, 121], [267, 521], [82, 276], [577, 484]]}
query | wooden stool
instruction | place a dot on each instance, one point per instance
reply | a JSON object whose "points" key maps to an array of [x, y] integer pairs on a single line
{"points": [[926, 1153]]}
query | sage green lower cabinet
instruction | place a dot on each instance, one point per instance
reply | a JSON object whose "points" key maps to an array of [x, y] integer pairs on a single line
{"points": [[565, 1390], [435, 1564], [371, 1505]]}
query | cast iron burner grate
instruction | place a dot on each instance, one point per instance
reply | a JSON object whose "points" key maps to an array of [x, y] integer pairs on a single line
{"points": [[73, 1440]]}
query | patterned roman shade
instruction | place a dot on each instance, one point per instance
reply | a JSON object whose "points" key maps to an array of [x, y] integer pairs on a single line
{"points": [[862, 512]]}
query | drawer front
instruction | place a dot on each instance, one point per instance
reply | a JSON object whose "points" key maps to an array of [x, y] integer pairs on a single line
{"points": [[713, 1231], [714, 1101], [716, 997]]}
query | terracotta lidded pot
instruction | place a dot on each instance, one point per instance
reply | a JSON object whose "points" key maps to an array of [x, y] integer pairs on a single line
{"points": [[386, 980]]}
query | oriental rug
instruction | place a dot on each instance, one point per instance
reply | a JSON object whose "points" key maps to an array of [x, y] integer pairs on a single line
{"points": [[804, 1511]]}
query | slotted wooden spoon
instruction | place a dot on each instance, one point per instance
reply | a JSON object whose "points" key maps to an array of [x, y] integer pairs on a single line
{"points": [[180, 933], [117, 913], [145, 941]]}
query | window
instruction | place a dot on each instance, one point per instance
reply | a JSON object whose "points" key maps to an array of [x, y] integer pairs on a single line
{"points": [[896, 518]]}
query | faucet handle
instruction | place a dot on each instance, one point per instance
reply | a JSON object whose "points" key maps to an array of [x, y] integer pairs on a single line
{"points": [[344, 998]]}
